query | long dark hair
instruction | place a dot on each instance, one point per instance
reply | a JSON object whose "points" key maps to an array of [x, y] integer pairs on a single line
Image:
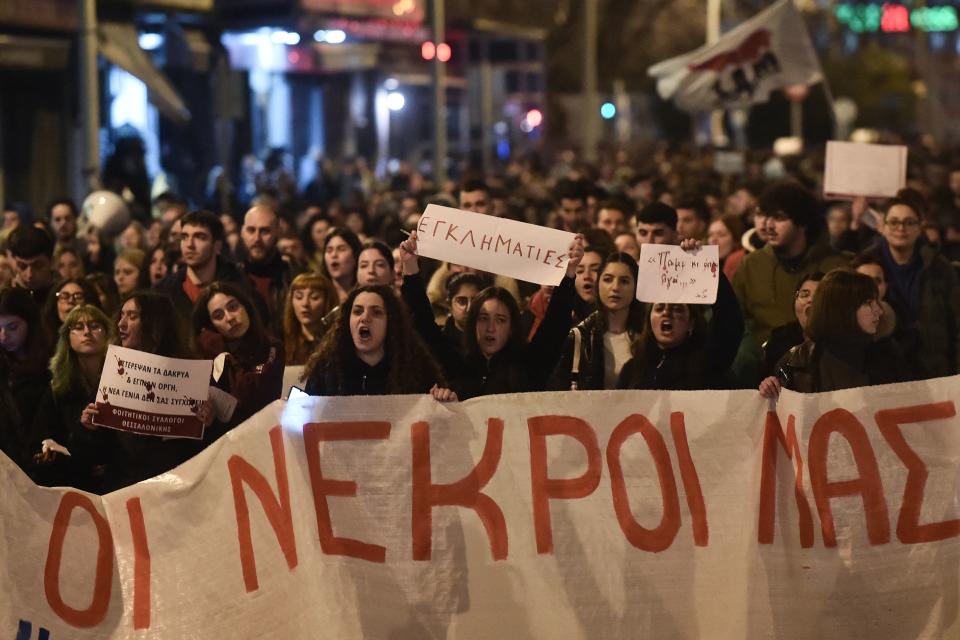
{"points": [[635, 317], [351, 239], [18, 302], [161, 332], [411, 367], [833, 315], [517, 339], [254, 344]]}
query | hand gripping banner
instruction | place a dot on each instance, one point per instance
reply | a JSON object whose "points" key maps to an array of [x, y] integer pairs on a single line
{"points": [[569, 515]]}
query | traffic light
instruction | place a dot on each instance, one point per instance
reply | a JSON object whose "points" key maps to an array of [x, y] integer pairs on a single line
{"points": [[441, 51]]}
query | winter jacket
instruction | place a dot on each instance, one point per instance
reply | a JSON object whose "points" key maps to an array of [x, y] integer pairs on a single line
{"points": [[765, 284], [701, 362], [932, 332], [812, 368], [280, 274], [590, 373]]}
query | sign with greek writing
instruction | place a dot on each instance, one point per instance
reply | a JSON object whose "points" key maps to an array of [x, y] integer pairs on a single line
{"points": [[596, 514], [152, 395], [871, 170], [506, 247], [670, 274]]}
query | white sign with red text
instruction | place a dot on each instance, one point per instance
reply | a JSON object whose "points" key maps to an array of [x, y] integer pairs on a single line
{"points": [[614, 514], [497, 245], [151, 395]]}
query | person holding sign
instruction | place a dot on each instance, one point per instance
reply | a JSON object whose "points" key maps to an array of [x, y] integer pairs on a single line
{"points": [[843, 350], [598, 347], [679, 349], [373, 350], [498, 358], [76, 366], [228, 329]]}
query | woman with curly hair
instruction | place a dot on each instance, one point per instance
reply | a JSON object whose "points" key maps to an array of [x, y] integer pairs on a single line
{"points": [[229, 330], [373, 350], [311, 297], [75, 368]]}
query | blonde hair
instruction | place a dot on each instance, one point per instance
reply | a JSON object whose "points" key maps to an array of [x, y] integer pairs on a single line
{"points": [[64, 366]]}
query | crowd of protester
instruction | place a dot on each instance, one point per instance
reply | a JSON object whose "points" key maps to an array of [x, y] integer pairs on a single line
{"points": [[813, 296]]}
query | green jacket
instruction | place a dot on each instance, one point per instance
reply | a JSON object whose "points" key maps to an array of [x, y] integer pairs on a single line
{"points": [[765, 285]]}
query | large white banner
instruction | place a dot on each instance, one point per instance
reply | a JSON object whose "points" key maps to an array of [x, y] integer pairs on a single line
{"points": [[767, 52], [567, 515]]}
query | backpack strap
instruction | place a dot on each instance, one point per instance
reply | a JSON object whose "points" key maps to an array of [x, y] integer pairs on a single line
{"points": [[575, 368]]}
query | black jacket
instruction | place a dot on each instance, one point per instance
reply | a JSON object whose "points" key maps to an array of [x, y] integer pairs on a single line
{"points": [[592, 358], [281, 275], [698, 363], [812, 368], [58, 418], [172, 286], [359, 379], [931, 335], [511, 370]]}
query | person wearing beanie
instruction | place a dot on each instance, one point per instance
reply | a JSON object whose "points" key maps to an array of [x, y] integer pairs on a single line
{"points": [[796, 245]]}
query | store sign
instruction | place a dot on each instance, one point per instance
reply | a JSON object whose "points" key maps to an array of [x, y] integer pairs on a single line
{"points": [[392, 9], [896, 18]]}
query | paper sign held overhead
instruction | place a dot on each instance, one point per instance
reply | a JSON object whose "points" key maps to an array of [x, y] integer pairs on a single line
{"points": [[152, 395], [506, 247], [870, 170], [670, 274]]}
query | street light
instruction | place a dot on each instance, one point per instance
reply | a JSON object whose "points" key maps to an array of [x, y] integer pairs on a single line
{"points": [[395, 101]]}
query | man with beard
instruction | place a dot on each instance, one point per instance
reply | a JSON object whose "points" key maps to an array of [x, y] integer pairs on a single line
{"points": [[796, 245], [266, 270]]}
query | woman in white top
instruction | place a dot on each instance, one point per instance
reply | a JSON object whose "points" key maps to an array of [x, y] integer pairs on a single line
{"points": [[597, 348]]}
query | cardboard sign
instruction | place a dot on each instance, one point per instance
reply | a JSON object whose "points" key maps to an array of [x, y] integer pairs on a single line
{"points": [[152, 395], [693, 515], [496, 245], [670, 274], [729, 163], [871, 170]]}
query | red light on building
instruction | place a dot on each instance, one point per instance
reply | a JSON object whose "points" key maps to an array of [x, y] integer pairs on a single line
{"points": [[443, 52], [895, 19], [428, 50]]}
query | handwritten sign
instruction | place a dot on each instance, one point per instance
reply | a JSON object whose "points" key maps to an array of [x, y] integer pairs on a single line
{"points": [[523, 251], [871, 170], [670, 274], [152, 395]]}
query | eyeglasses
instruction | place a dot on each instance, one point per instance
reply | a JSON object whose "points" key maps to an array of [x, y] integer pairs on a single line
{"points": [[803, 294], [72, 298], [93, 326], [908, 223]]}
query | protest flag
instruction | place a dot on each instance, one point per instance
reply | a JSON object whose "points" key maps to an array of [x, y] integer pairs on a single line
{"points": [[770, 51]]}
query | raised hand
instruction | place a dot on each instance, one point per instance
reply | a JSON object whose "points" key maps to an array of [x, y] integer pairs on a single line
{"points": [[575, 254], [408, 255]]}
